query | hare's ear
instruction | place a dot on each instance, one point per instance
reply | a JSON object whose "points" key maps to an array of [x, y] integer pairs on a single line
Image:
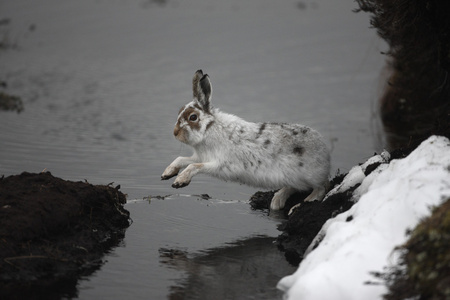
{"points": [[206, 88], [202, 90], [196, 84]]}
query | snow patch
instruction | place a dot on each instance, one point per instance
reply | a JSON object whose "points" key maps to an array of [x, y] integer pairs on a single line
{"points": [[393, 198], [355, 177]]}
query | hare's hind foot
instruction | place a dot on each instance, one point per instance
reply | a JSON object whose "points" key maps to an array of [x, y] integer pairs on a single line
{"points": [[316, 195], [280, 197]]}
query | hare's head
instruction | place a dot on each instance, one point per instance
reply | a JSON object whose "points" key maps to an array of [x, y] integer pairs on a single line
{"points": [[196, 117]]}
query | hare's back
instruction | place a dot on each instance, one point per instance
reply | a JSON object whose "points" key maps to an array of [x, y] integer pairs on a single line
{"points": [[288, 134]]}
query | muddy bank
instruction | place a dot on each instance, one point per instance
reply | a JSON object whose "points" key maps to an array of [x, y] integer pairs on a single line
{"points": [[302, 226], [53, 231], [415, 101]]}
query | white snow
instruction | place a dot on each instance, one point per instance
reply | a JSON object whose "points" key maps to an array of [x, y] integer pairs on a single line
{"points": [[396, 198], [356, 175]]}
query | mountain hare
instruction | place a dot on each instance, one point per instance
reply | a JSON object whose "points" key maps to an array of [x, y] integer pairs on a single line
{"points": [[289, 157]]}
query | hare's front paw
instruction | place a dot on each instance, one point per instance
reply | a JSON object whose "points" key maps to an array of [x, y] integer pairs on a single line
{"points": [[169, 172], [181, 181], [184, 178]]}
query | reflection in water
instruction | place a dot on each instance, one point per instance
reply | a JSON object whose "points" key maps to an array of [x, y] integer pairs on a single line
{"points": [[246, 269], [65, 280]]}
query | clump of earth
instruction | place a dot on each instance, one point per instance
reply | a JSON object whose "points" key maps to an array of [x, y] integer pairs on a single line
{"points": [[53, 231]]}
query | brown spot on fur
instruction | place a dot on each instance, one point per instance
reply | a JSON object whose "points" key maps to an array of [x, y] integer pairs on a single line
{"points": [[304, 130], [261, 129], [300, 164], [299, 151], [266, 143]]}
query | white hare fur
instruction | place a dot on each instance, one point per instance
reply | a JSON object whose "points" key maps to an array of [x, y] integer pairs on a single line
{"points": [[289, 157]]}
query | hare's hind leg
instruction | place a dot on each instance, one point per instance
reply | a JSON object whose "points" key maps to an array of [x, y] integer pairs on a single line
{"points": [[280, 197], [316, 195]]}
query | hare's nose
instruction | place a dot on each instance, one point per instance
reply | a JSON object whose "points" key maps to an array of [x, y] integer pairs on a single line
{"points": [[176, 130]]}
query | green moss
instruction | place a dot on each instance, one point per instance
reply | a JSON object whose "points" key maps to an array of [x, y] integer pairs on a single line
{"points": [[424, 269]]}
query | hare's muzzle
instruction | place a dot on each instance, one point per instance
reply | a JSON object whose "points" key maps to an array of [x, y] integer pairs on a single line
{"points": [[176, 130], [180, 134]]}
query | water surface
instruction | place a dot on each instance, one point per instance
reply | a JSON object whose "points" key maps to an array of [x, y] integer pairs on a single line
{"points": [[102, 82]]}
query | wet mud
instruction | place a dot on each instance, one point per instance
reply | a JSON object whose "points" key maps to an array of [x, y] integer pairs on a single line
{"points": [[54, 231], [305, 222]]}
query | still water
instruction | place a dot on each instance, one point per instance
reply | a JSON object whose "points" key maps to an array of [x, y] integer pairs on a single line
{"points": [[102, 82]]}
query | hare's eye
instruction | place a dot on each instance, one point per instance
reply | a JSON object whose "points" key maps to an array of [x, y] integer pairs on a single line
{"points": [[193, 117]]}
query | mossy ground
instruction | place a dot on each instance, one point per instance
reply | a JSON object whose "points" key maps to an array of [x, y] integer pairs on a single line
{"points": [[424, 268]]}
